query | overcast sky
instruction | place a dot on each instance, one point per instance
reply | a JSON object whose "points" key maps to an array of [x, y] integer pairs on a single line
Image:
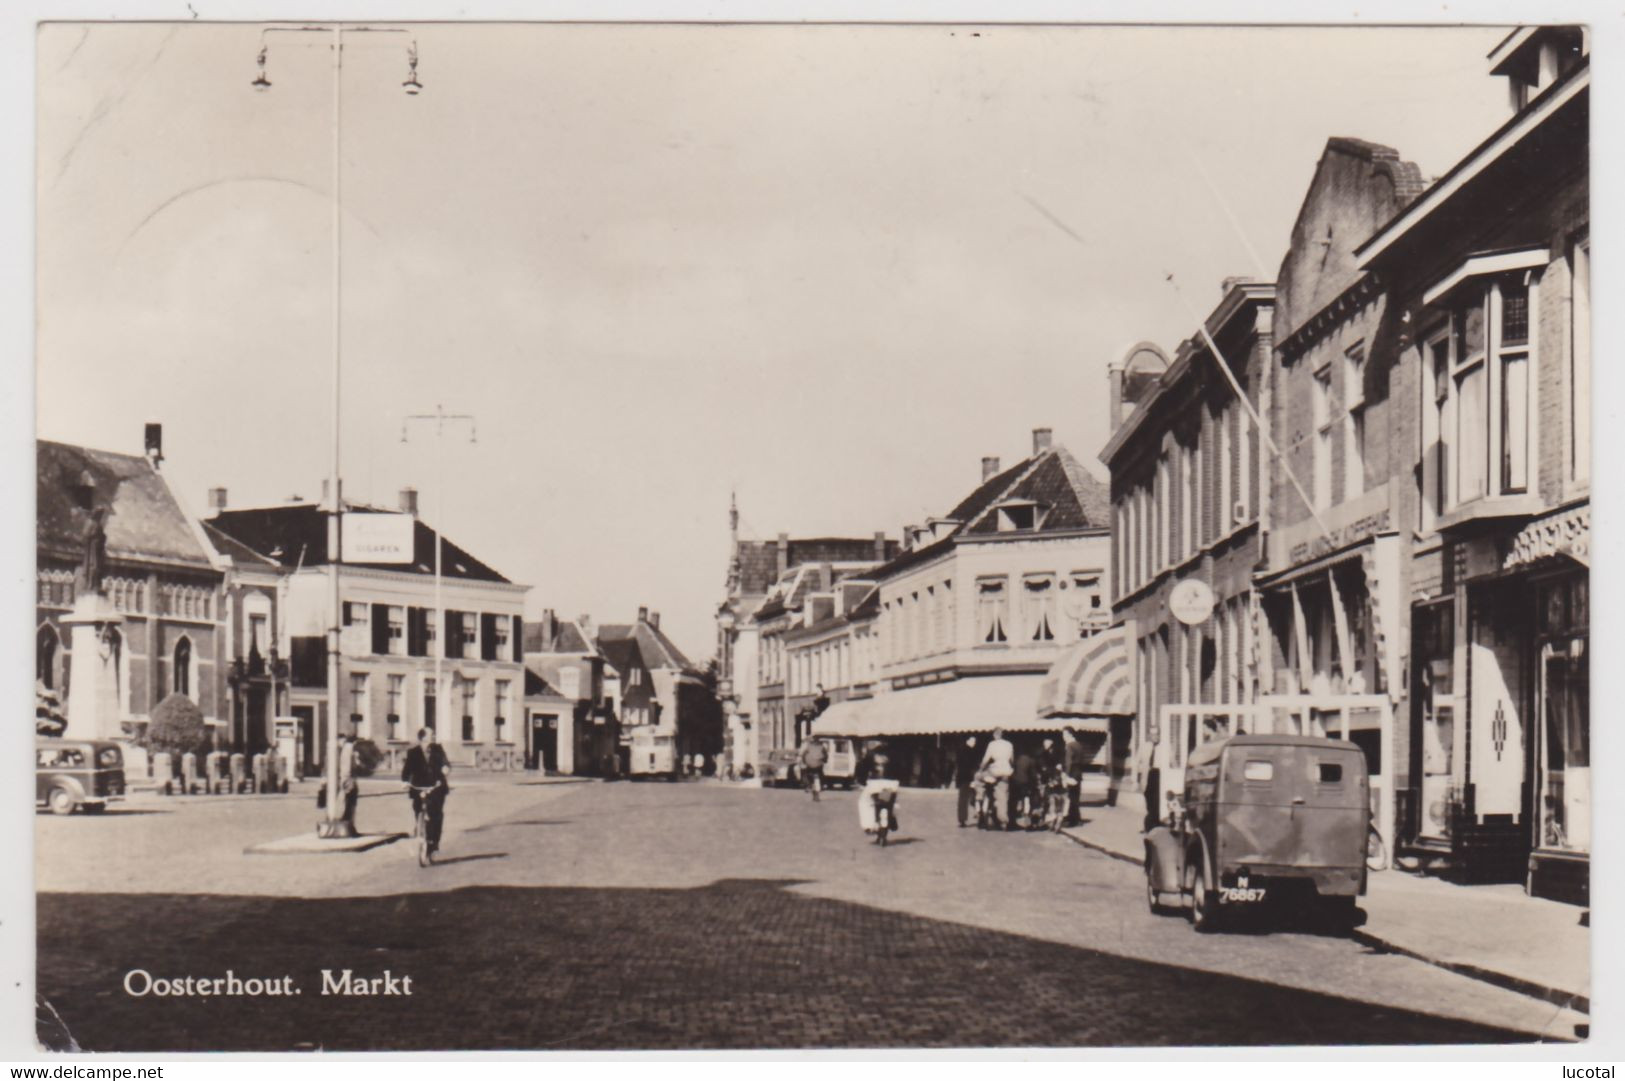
{"points": [[828, 267]]}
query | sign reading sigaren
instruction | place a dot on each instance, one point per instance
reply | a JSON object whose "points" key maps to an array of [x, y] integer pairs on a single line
{"points": [[377, 538]]}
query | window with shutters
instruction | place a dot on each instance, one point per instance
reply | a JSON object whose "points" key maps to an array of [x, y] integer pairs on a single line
{"points": [[397, 687], [500, 638], [397, 630], [470, 688], [430, 702], [504, 707]]}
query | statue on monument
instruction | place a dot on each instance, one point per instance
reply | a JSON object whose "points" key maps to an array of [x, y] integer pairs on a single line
{"points": [[93, 564]]}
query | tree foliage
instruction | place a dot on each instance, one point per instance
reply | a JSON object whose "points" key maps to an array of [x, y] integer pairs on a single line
{"points": [[177, 727]]}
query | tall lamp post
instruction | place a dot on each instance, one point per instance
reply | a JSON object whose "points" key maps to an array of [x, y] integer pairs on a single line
{"points": [[440, 419], [336, 825]]}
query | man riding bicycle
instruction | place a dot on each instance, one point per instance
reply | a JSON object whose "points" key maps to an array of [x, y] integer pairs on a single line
{"points": [[426, 776], [813, 757]]}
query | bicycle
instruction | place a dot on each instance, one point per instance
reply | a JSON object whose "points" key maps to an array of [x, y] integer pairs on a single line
{"points": [[420, 823]]}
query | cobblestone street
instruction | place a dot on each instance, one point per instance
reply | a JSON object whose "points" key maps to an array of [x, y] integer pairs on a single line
{"points": [[659, 916]]}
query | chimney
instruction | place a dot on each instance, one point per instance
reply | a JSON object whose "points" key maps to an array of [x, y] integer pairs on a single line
{"points": [[1114, 389], [826, 577], [409, 501], [990, 468], [217, 499], [654, 620], [586, 625], [549, 628], [880, 546], [643, 614], [908, 536], [784, 554], [1041, 440], [155, 444]]}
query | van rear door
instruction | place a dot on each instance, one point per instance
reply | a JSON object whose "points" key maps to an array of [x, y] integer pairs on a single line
{"points": [[1292, 805]]}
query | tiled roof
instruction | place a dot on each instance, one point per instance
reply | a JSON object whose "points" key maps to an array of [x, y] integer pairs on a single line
{"points": [[1076, 500], [241, 554], [656, 650], [567, 638], [759, 560], [283, 533], [145, 521]]}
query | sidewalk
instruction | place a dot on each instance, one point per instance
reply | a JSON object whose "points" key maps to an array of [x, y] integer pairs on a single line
{"points": [[1497, 934]]}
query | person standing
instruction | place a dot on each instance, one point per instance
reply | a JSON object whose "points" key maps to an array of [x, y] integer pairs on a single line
{"points": [[349, 791], [1075, 755], [966, 762], [1000, 761]]}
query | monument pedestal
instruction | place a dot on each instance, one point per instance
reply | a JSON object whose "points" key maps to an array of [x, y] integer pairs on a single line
{"points": [[94, 693]]}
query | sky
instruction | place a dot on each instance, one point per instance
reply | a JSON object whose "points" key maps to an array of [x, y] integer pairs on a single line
{"points": [[827, 268]]}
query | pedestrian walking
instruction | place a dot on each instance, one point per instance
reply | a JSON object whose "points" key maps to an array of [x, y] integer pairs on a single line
{"points": [[1023, 788], [813, 756], [966, 763]]}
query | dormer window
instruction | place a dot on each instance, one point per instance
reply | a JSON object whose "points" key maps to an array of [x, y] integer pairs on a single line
{"points": [[941, 527], [1020, 515]]}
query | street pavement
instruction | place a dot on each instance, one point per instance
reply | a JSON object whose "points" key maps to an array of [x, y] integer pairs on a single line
{"points": [[605, 916]]}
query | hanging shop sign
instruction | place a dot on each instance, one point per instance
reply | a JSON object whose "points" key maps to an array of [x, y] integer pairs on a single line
{"points": [[1191, 601]]}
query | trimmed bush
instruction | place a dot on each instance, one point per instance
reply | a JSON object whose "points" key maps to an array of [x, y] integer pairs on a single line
{"points": [[177, 727], [367, 757]]}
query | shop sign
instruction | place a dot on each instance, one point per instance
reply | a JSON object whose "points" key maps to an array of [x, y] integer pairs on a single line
{"points": [[378, 538], [1191, 601], [1341, 536], [1567, 534]]}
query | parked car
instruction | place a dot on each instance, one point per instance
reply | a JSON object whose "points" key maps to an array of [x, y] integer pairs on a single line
{"points": [[841, 765], [72, 773], [780, 767], [1262, 817]]}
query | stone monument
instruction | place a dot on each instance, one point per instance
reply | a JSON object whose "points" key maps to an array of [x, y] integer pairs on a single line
{"points": [[94, 691]]}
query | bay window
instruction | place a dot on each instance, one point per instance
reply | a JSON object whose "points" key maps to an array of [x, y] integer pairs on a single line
{"points": [[1483, 386]]}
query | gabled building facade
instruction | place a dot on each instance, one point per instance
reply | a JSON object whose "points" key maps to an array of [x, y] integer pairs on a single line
{"points": [[666, 703], [572, 727], [161, 577], [390, 639], [980, 605], [755, 570]]}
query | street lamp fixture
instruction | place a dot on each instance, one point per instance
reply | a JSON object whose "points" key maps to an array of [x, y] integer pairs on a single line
{"points": [[411, 84], [261, 83]]}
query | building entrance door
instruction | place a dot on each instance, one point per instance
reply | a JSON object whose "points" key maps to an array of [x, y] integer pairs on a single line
{"points": [[306, 716], [545, 739]]}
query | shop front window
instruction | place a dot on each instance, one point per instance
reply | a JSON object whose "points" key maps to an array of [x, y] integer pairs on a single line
{"points": [[1565, 702]]}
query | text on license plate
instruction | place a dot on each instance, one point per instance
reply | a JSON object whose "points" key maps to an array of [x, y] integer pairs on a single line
{"points": [[1242, 894]]}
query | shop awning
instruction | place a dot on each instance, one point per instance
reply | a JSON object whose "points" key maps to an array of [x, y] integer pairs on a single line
{"points": [[1091, 681], [970, 704]]}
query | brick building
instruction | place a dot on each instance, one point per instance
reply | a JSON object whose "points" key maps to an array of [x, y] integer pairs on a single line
{"points": [[1488, 271], [1187, 497]]}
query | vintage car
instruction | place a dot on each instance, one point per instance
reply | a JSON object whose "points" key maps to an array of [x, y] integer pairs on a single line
{"points": [[1263, 818], [780, 767], [71, 773]]}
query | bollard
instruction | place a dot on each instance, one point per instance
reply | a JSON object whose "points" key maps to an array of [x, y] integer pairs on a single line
{"points": [[256, 767], [216, 778], [239, 772], [163, 771], [273, 771], [189, 777]]}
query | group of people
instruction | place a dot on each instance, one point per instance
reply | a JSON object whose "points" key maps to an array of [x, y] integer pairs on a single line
{"points": [[1003, 786], [1020, 785]]}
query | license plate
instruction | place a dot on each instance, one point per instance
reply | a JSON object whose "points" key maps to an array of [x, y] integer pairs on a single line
{"points": [[1241, 894]]}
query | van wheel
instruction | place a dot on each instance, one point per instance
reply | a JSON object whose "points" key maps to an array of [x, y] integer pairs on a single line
{"points": [[61, 801], [1204, 904]]}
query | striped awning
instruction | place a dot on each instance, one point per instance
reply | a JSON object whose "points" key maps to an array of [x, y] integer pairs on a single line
{"points": [[1094, 678], [969, 704]]}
